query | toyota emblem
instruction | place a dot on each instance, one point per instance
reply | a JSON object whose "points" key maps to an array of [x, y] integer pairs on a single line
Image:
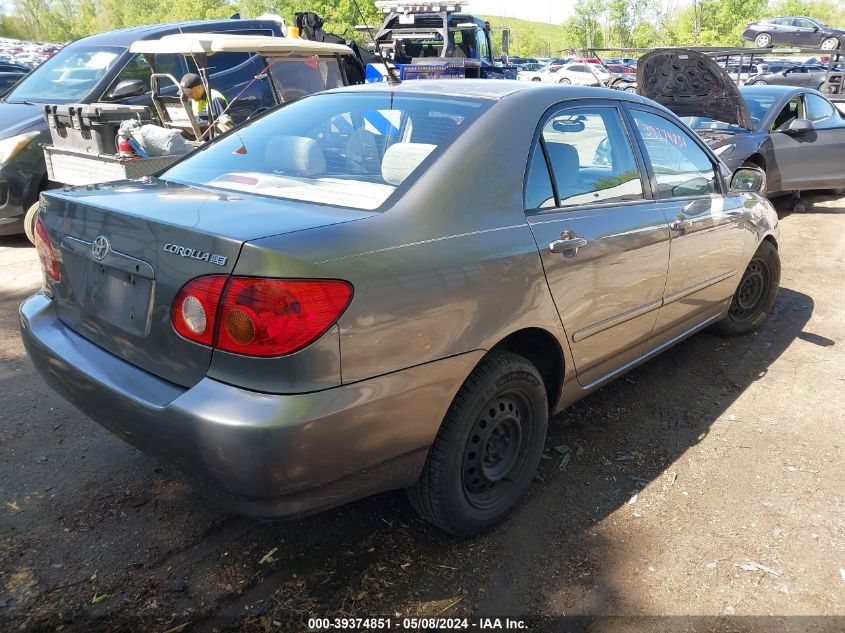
{"points": [[100, 247]]}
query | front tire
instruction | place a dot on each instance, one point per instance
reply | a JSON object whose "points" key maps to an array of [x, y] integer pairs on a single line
{"points": [[29, 222], [829, 44], [755, 293], [565, 81], [763, 40], [760, 82], [488, 448]]}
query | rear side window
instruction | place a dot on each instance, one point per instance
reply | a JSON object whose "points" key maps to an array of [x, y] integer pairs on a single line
{"points": [[681, 168], [590, 160], [539, 193], [818, 108]]}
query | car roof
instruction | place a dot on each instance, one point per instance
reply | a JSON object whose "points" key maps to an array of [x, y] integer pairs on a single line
{"points": [[492, 89], [775, 91], [125, 37]]}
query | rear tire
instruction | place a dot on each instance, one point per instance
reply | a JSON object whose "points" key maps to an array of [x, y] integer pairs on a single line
{"points": [[488, 448], [763, 40], [755, 293], [29, 222], [829, 44], [760, 82]]}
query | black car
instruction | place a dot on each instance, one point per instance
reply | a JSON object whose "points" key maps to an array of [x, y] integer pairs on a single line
{"points": [[793, 31], [7, 67], [794, 134], [88, 71], [797, 75], [9, 79]]}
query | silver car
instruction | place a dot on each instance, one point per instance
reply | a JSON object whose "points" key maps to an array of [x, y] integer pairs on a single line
{"points": [[393, 287]]}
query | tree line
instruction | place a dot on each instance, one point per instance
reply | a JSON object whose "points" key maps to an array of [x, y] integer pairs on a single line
{"points": [[593, 23]]}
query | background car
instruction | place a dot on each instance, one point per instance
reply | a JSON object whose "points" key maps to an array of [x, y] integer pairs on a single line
{"points": [[309, 324], [87, 71], [581, 74], [6, 67], [796, 75], [795, 134], [793, 31], [9, 79]]}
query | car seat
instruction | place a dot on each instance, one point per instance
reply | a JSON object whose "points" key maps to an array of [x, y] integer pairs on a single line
{"points": [[401, 159], [295, 155], [566, 165]]}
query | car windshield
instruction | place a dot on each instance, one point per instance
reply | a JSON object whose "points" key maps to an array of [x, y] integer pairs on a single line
{"points": [[758, 106], [350, 150], [68, 76]]}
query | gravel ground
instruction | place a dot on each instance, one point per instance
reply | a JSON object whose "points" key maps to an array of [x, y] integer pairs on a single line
{"points": [[709, 481]]}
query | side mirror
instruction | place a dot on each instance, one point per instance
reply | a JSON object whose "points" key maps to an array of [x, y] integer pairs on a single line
{"points": [[506, 41], [748, 180], [784, 72], [797, 126], [127, 88]]}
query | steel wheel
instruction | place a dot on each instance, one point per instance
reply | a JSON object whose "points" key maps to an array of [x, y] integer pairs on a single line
{"points": [[830, 44], [496, 449], [764, 40], [755, 295], [487, 448], [751, 291]]}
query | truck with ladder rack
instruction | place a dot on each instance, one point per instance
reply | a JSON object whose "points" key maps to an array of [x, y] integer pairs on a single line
{"points": [[428, 39]]}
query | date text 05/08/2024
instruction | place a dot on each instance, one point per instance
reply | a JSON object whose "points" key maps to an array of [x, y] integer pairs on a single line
{"points": [[412, 624]]}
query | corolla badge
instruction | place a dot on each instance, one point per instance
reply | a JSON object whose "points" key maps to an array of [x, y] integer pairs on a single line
{"points": [[100, 247], [203, 256]]}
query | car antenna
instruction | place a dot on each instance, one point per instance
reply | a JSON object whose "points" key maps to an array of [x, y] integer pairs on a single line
{"points": [[392, 79]]}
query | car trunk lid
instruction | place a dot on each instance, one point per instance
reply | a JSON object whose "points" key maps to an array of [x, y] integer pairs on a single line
{"points": [[126, 250], [690, 83]]}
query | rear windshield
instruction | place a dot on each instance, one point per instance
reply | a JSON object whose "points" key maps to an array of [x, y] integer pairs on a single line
{"points": [[350, 150]]}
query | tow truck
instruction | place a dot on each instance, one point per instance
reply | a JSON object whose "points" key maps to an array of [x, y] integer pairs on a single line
{"points": [[429, 39]]}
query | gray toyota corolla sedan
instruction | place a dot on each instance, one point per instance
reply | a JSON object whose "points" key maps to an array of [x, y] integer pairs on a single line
{"points": [[393, 287]]}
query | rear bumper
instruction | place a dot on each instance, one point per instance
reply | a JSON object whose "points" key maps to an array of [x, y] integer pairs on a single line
{"points": [[259, 454]]}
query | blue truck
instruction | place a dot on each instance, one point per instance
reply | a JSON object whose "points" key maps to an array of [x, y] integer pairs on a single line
{"points": [[434, 40]]}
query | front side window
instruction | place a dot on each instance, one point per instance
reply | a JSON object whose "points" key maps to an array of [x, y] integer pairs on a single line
{"points": [[481, 37], [590, 158], [68, 76], [681, 168], [792, 110], [138, 68], [818, 108], [343, 149]]}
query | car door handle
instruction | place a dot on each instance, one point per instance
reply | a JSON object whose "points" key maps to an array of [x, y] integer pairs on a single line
{"points": [[567, 243], [680, 224]]}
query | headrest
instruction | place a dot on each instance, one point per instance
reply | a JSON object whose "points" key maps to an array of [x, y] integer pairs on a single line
{"points": [[297, 154], [403, 158], [566, 163]]}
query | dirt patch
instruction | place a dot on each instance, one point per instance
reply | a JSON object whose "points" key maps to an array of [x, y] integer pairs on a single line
{"points": [[709, 481]]}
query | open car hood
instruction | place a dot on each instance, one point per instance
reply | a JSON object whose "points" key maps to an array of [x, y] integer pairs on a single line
{"points": [[690, 83]]}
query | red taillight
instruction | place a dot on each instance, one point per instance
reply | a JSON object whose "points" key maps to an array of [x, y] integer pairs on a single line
{"points": [[195, 308], [257, 316], [45, 251], [272, 317]]}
